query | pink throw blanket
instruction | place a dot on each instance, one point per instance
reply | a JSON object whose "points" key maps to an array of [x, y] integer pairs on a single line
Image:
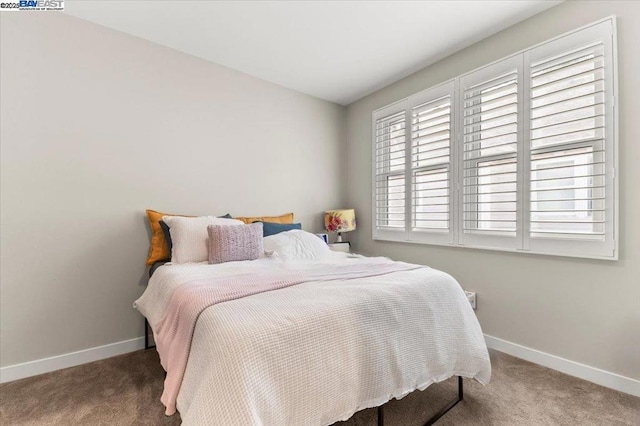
{"points": [[174, 331]]}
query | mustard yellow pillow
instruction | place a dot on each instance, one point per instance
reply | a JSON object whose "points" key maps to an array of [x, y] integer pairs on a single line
{"points": [[159, 250], [285, 218]]}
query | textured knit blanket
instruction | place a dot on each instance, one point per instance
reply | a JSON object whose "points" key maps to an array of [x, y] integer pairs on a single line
{"points": [[306, 343], [175, 330]]}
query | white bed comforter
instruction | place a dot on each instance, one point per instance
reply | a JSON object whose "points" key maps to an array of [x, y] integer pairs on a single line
{"points": [[317, 352]]}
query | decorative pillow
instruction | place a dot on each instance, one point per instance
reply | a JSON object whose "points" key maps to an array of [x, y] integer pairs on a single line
{"points": [[159, 249], [167, 233], [269, 228], [190, 238], [297, 244], [285, 218], [234, 243]]}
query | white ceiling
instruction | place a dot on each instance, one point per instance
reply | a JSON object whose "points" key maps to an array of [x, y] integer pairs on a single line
{"points": [[335, 50]]}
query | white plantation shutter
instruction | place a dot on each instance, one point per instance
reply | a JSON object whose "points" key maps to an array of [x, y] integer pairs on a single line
{"points": [[518, 155], [571, 151], [490, 102], [431, 134], [390, 152]]}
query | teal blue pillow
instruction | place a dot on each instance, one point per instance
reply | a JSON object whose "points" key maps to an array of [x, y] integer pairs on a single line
{"points": [[270, 228]]}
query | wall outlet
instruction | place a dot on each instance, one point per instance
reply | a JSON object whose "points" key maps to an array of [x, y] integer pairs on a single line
{"points": [[471, 296]]}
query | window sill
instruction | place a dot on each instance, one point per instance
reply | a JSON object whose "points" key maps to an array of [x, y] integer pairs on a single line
{"points": [[614, 257]]}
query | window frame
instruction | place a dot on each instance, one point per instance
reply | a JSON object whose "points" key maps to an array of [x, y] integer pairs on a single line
{"points": [[607, 249], [433, 237], [407, 234], [489, 239], [566, 247], [387, 234]]}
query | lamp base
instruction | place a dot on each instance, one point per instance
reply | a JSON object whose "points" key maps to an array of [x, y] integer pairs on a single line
{"points": [[339, 239]]}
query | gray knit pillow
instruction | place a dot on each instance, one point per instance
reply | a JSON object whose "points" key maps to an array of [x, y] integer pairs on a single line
{"points": [[233, 243]]}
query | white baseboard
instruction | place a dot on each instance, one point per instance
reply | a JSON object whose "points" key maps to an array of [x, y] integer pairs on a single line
{"points": [[40, 366], [572, 368]]}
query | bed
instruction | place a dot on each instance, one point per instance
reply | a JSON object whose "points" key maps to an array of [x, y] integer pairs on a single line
{"points": [[333, 336]]}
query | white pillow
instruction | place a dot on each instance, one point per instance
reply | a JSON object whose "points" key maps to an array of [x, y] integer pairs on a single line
{"points": [[297, 244], [189, 236]]}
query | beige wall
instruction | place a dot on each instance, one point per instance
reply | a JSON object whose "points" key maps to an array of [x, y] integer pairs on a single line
{"points": [[97, 126], [584, 310]]}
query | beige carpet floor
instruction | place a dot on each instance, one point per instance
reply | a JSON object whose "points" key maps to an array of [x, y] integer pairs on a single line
{"points": [[125, 390]]}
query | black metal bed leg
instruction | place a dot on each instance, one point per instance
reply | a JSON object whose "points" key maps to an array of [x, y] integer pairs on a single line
{"points": [[436, 416], [449, 406], [146, 335]]}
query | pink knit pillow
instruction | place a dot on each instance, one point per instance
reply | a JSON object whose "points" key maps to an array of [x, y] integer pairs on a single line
{"points": [[233, 243]]}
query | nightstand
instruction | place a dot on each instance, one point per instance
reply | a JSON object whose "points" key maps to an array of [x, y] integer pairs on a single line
{"points": [[344, 247]]}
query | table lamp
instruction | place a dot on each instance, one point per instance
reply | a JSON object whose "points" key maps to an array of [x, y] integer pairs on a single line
{"points": [[340, 221]]}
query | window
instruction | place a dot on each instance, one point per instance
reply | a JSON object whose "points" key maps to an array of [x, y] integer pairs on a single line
{"points": [[389, 163], [431, 215], [413, 168], [518, 155], [490, 138]]}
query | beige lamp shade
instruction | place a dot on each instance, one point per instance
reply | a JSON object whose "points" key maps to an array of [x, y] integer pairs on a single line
{"points": [[340, 220]]}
